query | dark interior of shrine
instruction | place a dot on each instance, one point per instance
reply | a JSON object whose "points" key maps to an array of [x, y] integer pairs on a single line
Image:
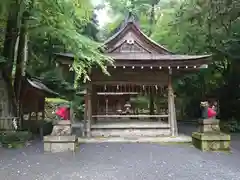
{"points": [[131, 101]]}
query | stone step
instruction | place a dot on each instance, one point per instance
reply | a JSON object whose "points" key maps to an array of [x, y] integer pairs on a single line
{"points": [[126, 120], [131, 125], [131, 132], [178, 139]]}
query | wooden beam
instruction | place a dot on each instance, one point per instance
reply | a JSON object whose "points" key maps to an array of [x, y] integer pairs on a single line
{"points": [[128, 82], [117, 93], [130, 76]]}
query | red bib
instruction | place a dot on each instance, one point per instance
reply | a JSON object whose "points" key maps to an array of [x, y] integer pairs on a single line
{"points": [[211, 113]]}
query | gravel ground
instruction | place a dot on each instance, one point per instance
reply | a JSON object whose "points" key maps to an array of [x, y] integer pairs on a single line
{"points": [[118, 161]]}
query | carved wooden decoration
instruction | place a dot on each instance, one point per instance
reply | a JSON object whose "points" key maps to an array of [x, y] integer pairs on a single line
{"points": [[130, 46]]}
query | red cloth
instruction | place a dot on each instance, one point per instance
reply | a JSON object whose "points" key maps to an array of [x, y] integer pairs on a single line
{"points": [[211, 113], [63, 112]]}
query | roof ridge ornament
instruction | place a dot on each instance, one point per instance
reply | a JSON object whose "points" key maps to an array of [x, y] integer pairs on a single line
{"points": [[130, 17]]}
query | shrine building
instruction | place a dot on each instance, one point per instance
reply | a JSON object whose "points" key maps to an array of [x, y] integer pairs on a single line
{"points": [[141, 68]]}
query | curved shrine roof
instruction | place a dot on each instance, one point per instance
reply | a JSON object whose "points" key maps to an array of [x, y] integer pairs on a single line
{"points": [[133, 32], [129, 46]]}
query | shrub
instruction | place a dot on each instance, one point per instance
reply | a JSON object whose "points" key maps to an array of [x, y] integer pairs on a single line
{"points": [[231, 125], [47, 128], [14, 139]]}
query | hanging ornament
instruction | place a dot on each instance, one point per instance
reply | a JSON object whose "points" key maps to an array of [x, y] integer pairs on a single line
{"points": [[149, 89]]}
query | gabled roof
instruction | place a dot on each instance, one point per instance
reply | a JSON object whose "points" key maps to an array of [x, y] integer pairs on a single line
{"points": [[35, 83], [130, 26], [130, 46]]}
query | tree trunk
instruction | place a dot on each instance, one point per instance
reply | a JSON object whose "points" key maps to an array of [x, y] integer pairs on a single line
{"points": [[11, 35], [21, 61]]}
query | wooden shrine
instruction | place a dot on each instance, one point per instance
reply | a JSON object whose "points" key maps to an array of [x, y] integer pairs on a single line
{"points": [[141, 68], [33, 94]]}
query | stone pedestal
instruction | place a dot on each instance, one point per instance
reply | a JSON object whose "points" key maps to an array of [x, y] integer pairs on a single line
{"points": [[208, 125], [61, 138], [60, 143], [209, 137]]}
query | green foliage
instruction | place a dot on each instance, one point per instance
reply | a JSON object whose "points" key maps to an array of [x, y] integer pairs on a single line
{"points": [[78, 107], [52, 26], [2, 26], [140, 102], [51, 106], [230, 126], [206, 27], [2, 60], [14, 139], [144, 10], [197, 27], [52, 80], [64, 22], [76, 104], [57, 101]]}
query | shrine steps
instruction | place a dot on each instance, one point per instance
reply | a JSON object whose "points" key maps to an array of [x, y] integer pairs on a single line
{"points": [[131, 133], [178, 139], [130, 129]]}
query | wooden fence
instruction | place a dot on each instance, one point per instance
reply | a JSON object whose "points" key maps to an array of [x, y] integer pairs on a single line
{"points": [[8, 123]]}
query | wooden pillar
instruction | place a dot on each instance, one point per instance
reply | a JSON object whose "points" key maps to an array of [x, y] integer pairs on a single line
{"points": [[36, 122], [85, 114], [43, 118], [94, 103], [106, 105], [151, 102], [171, 107], [88, 110]]}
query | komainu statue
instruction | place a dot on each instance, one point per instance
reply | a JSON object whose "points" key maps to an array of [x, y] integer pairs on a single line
{"points": [[62, 128], [204, 107]]}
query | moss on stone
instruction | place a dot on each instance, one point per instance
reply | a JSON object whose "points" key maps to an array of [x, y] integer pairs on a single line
{"points": [[211, 141]]}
